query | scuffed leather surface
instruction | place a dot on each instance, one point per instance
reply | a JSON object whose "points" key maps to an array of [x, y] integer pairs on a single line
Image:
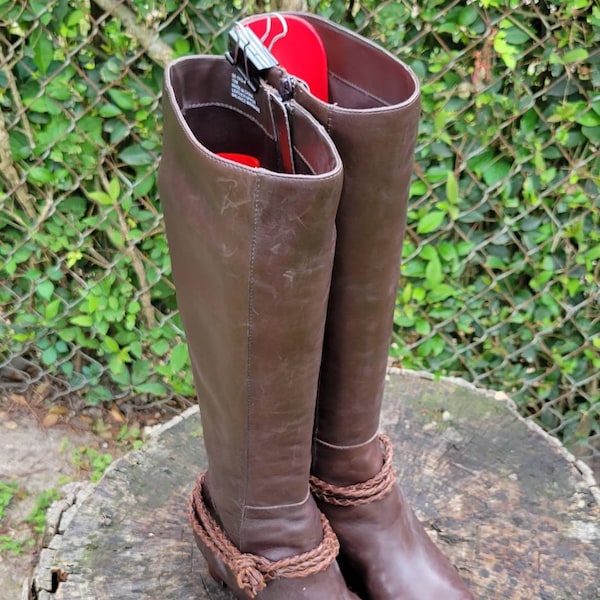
{"points": [[252, 251]]}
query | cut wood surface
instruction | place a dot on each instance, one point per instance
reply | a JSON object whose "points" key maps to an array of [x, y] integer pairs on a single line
{"points": [[517, 514]]}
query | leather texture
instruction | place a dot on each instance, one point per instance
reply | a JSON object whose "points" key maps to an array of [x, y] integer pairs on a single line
{"points": [[252, 253], [372, 117]]}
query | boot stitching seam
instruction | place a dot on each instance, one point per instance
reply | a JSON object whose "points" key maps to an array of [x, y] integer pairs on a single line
{"points": [[278, 506], [404, 104], [330, 118], [249, 382], [347, 447], [384, 104]]}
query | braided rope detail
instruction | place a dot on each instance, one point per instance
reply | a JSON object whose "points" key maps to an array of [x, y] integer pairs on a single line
{"points": [[252, 572], [358, 494]]}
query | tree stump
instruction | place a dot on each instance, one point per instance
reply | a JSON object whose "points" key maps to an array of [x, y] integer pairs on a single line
{"points": [[517, 514]]}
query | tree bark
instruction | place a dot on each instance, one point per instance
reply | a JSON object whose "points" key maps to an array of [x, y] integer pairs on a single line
{"points": [[517, 514], [156, 49]]}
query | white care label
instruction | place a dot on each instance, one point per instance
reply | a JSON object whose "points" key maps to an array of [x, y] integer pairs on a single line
{"points": [[240, 91]]}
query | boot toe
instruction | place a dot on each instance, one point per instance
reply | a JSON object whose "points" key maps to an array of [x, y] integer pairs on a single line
{"points": [[386, 553]]}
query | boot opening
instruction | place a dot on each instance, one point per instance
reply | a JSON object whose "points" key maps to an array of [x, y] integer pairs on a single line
{"points": [[362, 75], [222, 129], [224, 116]]}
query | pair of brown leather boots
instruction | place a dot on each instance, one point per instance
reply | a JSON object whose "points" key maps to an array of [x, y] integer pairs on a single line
{"points": [[286, 279]]}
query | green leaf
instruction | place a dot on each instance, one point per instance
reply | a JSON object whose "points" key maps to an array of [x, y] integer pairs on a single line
{"points": [[116, 365], [121, 99], [447, 251], [422, 326], [114, 189], [97, 394], [145, 186], [116, 237], [433, 272], [49, 355], [441, 292], [40, 175], [430, 222], [136, 156], [110, 110], [111, 345], [468, 15], [493, 262], [102, 198], [592, 134], [575, 55], [68, 334], [52, 309], [516, 36], [540, 279], [507, 52], [452, 188], [417, 188], [496, 172], [589, 119], [428, 252], [151, 387], [573, 286], [118, 131], [82, 320], [134, 307], [593, 253], [160, 347], [43, 52], [179, 357], [45, 105], [45, 289]]}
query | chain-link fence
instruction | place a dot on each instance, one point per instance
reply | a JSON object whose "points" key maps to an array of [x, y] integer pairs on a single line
{"points": [[501, 267]]}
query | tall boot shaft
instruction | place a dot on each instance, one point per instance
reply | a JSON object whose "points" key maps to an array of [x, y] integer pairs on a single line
{"points": [[372, 116], [252, 253]]}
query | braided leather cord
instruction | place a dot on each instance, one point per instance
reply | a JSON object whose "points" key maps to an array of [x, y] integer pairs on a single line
{"points": [[253, 572], [360, 493]]}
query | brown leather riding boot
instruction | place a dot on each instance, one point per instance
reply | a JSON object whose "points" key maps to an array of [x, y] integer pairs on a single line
{"points": [[252, 251], [372, 117]]}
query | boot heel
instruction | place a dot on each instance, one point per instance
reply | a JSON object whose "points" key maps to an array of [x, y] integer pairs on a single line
{"points": [[216, 569], [220, 574], [215, 575]]}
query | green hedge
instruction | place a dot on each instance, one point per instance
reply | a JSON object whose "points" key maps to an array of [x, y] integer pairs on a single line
{"points": [[500, 275]]}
